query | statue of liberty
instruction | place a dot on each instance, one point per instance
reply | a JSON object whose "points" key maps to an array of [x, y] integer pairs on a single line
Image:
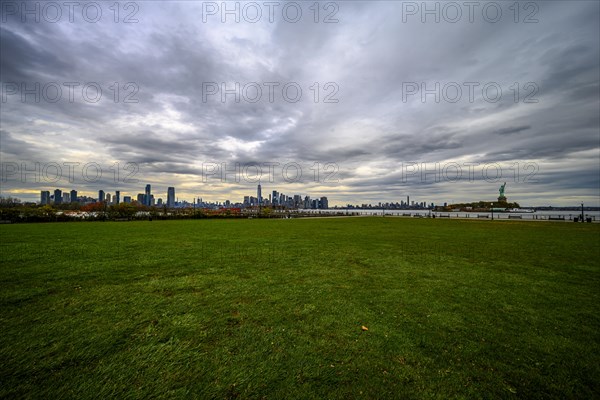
{"points": [[502, 198]]}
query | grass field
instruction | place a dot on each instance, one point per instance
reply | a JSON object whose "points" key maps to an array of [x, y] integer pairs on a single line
{"points": [[275, 309]]}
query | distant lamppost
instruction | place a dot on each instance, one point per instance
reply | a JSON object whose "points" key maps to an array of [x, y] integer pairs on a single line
{"points": [[492, 209]]}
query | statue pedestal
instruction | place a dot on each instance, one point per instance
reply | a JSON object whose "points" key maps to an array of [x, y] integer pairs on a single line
{"points": [[502, 199]]}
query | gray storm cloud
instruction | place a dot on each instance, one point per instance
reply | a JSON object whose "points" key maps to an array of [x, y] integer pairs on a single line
{"points": [[382, 91]]}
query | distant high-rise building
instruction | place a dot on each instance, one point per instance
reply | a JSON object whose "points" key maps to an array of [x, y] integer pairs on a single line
{"points": [[57, 196], [141, 198], [170, 197], [126, 199], [101, 196], [108, 198], [148, 194], [117, 197], [274, 198], [324, 203], [45, 197], [307, 202], [73, 196], [259, 194], [66, 197]]}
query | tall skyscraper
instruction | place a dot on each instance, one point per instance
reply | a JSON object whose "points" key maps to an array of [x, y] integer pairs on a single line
{"points": [[73, 196], [45, 194], [108, 198], [101, 196], [259, 194], [170, 197], [117, 197], [147, 195], [57, 196]]}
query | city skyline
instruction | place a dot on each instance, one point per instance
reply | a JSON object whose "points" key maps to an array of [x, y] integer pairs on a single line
{"points": [[141, 197], [274, 199], [148, 199]]}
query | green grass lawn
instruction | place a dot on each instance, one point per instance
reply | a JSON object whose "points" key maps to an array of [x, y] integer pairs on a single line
{"points": [[274, 309]]}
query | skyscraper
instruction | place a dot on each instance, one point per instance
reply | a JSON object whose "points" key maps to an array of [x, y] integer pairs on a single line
{"points": [[57, 196], [117, 197], [147, 197], [101, 196], [170, 197], [45, 194], [259, 194], [73, 196]]}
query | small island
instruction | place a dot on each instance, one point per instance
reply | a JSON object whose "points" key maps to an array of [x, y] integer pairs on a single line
{"points": [[482, 206]]}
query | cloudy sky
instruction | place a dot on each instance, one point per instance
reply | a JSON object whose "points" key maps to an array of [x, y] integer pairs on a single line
{"points": [[358, 101]]}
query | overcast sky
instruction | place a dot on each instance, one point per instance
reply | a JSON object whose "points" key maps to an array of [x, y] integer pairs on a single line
{"points": [[392, 103]]}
